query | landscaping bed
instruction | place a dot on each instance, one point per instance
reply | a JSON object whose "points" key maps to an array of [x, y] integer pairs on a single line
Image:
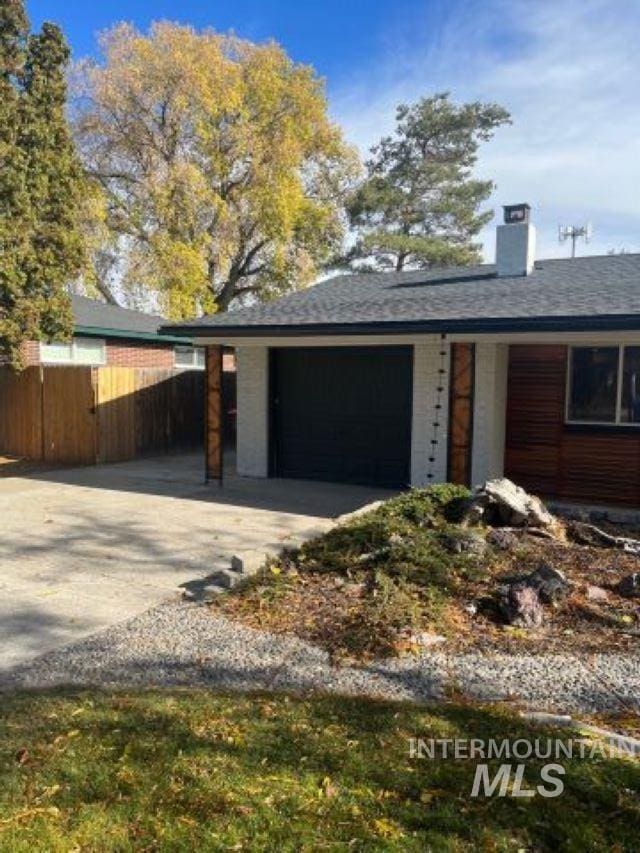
{"points": [[196, 770], [421, 571]]}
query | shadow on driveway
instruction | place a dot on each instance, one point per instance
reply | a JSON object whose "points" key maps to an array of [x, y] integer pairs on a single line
{"points": [[85, 548], [182, 476]]}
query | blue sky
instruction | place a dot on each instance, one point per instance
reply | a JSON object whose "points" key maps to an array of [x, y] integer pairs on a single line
{"points": [[568, 72]]}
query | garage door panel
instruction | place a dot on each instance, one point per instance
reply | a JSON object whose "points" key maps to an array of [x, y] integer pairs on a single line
{"points": [[342, 414]]}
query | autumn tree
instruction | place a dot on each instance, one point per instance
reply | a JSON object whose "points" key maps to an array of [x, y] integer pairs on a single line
{"points": [[40, 185], [220, 173], [419, 205]]}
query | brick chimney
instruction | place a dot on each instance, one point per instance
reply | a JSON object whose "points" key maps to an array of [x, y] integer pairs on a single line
{"points": [[516, 242]]}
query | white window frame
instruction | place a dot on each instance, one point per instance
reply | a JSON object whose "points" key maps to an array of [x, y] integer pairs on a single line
{"points": [[567, 405], [76, 358], [194, 357]]}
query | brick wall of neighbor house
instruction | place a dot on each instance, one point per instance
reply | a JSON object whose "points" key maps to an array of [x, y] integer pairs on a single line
{"points": [[31, 353], [122, 353], [544, 455]]}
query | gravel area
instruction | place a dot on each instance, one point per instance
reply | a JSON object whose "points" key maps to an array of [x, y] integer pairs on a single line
{"points": [[183, 644]]}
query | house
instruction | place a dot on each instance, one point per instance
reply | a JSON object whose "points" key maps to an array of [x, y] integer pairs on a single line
{"points": [[106, 334], [525, 368]]}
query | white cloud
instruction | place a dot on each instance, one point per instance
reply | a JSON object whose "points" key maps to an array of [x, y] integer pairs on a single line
{"points": [[569, 74]]}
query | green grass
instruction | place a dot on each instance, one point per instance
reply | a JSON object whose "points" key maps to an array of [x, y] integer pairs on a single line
{"points": [[202, 771]]}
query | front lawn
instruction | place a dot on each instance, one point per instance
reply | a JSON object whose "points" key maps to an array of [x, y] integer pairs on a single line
{"points": [[199, 771]]}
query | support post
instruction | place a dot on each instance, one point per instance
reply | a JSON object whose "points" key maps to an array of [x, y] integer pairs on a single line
{"points": [[214, 414]]}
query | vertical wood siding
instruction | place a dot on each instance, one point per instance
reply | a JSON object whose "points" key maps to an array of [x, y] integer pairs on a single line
{"points": [[598, 465]]}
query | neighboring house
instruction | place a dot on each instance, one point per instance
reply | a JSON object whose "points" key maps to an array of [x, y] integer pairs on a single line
{"points": [[529, 369], [109, 335]]}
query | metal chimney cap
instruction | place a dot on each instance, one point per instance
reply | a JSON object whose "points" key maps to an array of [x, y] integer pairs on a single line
{"points": [[516, 213]]}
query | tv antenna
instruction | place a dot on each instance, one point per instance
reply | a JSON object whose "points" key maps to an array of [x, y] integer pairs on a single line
{"points": [[573, 233]]}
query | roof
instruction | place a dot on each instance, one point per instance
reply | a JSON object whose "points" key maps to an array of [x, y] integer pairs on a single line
{"points": [[93, 317], [579, 294]]}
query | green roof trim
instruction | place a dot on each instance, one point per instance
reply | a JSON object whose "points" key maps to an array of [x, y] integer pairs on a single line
{"points": [[98, 332]]}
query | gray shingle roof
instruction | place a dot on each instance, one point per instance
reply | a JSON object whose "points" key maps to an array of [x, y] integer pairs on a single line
{"points": [[591, 292], [93, 313]]}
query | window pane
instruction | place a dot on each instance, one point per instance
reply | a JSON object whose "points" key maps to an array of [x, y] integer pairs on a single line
{"points": [[56, 353], [594, 384], [184, 356], [200, 362], [89, 351], [630, 412]]}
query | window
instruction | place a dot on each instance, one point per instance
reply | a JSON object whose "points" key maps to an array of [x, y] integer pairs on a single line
{"points": [[80, 351], [604, 385], [190, 358], [56, 353], [630, 397]]}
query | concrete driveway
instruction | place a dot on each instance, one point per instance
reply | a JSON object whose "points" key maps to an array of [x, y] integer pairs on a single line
{"points": [[84, 548]]}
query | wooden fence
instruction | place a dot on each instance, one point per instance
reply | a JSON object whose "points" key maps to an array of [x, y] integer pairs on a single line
{"points": [[87, 415]]}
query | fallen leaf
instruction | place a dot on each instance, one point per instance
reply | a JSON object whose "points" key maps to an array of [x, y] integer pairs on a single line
{"points": [[22, 755]]}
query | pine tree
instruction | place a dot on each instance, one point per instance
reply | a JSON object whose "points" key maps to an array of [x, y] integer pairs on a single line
{"points": [[40, 185], [419, 205]]}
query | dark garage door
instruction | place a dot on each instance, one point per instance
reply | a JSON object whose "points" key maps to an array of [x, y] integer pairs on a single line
{"points": [[342, 414]]}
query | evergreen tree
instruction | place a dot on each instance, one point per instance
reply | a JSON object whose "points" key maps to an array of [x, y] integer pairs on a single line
{"points": [[419, 205], [40, 185]]}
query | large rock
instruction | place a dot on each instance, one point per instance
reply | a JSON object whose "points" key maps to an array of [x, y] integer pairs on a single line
{"points": [[550, 584], [521, 606], [521, 601], [501, 503]]}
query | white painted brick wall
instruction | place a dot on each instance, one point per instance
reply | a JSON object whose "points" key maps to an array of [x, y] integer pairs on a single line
{"points": [[253, 411], [489, 412], [426, 362]]}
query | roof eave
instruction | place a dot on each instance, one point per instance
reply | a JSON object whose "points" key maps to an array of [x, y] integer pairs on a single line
{"points": [[590, 323], [105, 332]]}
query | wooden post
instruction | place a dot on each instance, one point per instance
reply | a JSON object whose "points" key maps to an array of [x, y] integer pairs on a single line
{"points": [[213, 415], [461, 396]]}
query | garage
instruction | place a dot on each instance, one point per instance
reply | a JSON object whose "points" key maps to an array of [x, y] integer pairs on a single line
{"points": [[341, 414]]}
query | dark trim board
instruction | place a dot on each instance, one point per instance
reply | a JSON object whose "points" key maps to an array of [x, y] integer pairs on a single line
{"points": [[271, 418], [341, 414], [471, 325], [100, 332]]}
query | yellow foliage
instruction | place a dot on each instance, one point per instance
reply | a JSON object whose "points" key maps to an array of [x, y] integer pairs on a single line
{"points": [[222, 173]]}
